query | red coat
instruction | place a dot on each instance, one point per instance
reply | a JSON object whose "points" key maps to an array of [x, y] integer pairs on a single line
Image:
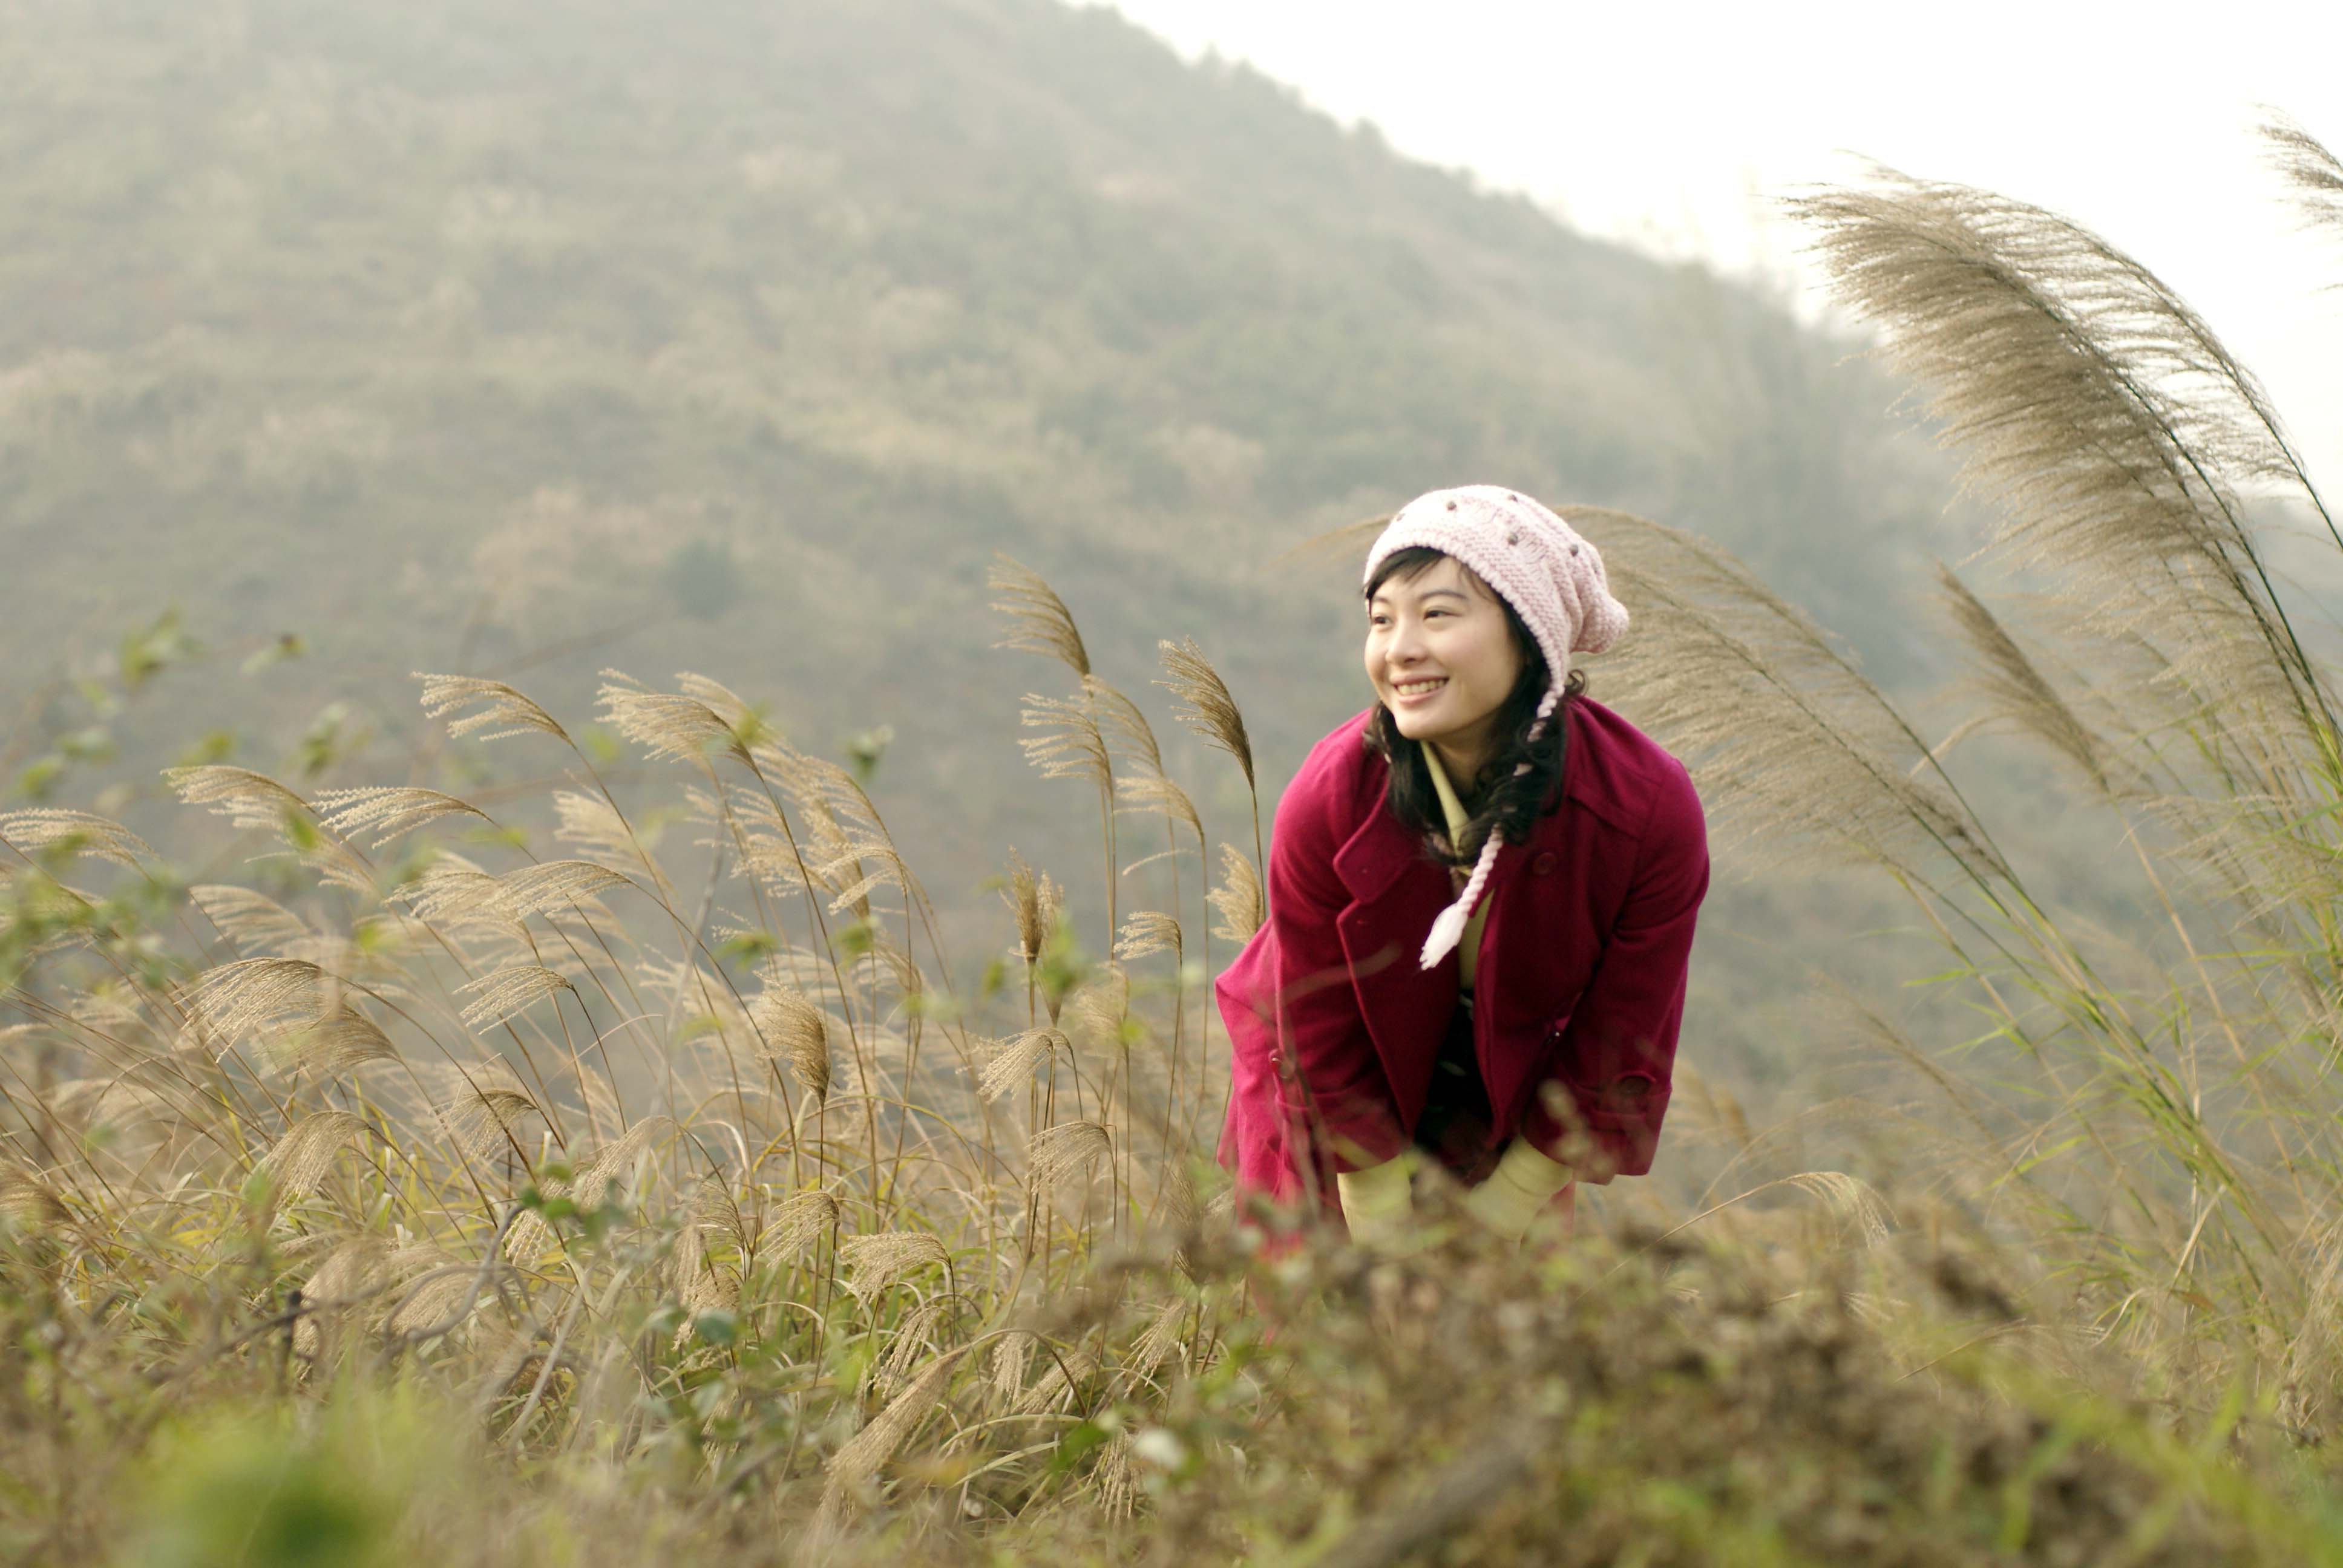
{"points": [[1579, 985]]}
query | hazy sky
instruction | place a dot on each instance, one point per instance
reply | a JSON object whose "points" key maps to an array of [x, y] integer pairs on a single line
{"points": [[1668, 124]]}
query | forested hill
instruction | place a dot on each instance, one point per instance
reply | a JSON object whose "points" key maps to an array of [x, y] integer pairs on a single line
{"points": [[772, 322]]}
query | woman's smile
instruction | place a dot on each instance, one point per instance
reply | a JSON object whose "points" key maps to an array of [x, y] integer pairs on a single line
{"points": [[1443, 660]]}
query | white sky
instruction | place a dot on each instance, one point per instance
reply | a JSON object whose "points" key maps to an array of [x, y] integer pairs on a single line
{"points": [[1667, 124]]}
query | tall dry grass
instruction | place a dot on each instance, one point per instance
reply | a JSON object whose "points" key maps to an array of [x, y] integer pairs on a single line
{"points": [[642, 1197]]}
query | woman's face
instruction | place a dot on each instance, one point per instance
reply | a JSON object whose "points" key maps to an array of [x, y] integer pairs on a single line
{"points": [[1442, 657]]}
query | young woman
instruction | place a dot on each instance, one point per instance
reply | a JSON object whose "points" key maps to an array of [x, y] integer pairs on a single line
{"points": [[1482, 894]]}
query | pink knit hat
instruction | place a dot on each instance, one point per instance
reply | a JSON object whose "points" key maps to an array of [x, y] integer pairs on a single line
{"points": [[1553, 579]]}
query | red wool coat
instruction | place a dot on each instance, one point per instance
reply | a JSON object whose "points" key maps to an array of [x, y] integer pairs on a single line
{"points": [[1580, 986]]}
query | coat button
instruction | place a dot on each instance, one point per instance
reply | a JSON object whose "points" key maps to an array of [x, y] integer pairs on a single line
{"points": [[1545, 864]]}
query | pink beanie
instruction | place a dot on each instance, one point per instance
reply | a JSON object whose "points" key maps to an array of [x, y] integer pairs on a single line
{"points": [[1553, 579]]}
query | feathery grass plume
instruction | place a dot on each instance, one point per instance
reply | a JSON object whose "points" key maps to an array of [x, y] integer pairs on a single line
{"points": [[1100, 1009], [1211, 712], [859, 1459], [437, 1299], [2305, 163], [534, 890], [250, 920], [1157, 1341], [600, 1172], [343, 1039], [1058, 1153], [455, 895], [2103, 415], [361, 1260], [387, 811], [299, 1160], [334, 861], [245, 798], [1789, 740], [249, 996], [497, 996], [1146, 933], [748, 723], [1013, 1356], [1039, 621], [1013, 1060], [876, 1262], [666, 724], [1237, 901], [1062, 1374], [917, 1334], [873, 863], [2015, 689], [593, 825], [798, 1221], [793, 1028], [519, 714], [1159, 796], [1126, 728], [29, 1203], [98, 836], [1069, 745], [1023, 897], [486, 1109], [1048, 904], [1852, 1199]]}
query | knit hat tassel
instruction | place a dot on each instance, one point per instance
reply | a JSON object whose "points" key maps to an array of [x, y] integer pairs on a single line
{"points": [[1449, 928]]}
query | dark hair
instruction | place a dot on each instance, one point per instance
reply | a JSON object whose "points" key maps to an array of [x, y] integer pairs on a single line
{"points": [[1509, 802]]}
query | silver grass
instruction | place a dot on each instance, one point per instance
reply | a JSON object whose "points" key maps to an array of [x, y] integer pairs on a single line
{"points": [[915, 1335], [2101, 412], [387, 811], [599, 1172], [1039, 621], [338, 864], [435, 1299], [1852, 1199], [236, 1001], [1059, 1375], [859, 1459], [2014, 687], [670, 725], [1023, 896], [876, 1262], [1238, 899], [1161, 1338], [1058, 1153], [799, 1219], [874, 865], [1011, 1357], [29, 1203], [299, 1160], [361, 1260], [2315, 173], [1787, 739], [343, 1039], [534, 890], [1116, 1481], [748, 726], [794, 1030], [250, 920], [455, 895], [1126, 728], [247, 799], [485, 1111], [1158, 796], [593, 825], [1013, 1060], [497, 996], [500, 705], [1146, 933], [98, 836], [1097, 1011], [1070, 743], [1210, 711]]}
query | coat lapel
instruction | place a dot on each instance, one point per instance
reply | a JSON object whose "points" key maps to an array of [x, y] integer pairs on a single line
{"points": [[1396, 891]]}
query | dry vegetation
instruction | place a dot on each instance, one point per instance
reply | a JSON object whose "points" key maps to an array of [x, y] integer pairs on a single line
{"points": [[481, 1208]]}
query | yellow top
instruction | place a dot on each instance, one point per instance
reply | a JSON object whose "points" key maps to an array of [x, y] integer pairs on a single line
{"points": [[1468, 951]]}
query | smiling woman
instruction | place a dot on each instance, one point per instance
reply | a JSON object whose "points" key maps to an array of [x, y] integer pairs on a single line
{"points": [[1481, 898]]}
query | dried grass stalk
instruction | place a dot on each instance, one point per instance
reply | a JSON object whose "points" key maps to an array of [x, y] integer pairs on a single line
{"points": [[860, 1458], [877, 1261], [1013, 1061], [387, 812], [1069, 745], [99, 837], [1058, 1153], [1039, 621], [1126, 728], [1023, 896], [299, 1160], [1146, 933], [799, 1219], [669, 725], [1211, 712], [794, 1030], [501, 704], [1238, 899], [2015, 688], [497, 996]]}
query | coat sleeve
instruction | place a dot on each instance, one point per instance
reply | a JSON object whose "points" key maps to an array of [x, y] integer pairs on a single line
{"points": [[1321, 1034], [1610, 1075]]}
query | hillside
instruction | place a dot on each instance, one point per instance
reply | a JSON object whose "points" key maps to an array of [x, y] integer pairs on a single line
{"points": [[534, 339]]}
